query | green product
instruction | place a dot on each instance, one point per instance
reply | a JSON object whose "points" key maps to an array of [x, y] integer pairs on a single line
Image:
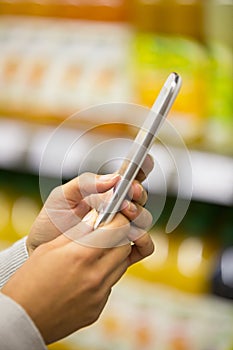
{"points": [[219, 39], [155, 56]]}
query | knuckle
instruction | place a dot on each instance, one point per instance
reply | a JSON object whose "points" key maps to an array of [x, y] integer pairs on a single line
{"points": [[143, 198], [121, 220], [92, 317], [144, 219], [150, 248], [128, 249], [96, 314], [95, 280], [124, 251], [86, 183], [85, 175], [56, 191], [119, 227]]}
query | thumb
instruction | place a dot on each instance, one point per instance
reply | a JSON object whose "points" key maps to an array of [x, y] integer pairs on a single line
{"points": [[83, 228], [71, 193], [76, 232]]}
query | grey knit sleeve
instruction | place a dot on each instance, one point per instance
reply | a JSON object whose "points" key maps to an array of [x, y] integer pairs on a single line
{"points": [[11, 259], [17, 330]]}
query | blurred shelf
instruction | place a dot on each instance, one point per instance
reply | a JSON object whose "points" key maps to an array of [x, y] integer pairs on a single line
{"points": [[23, 146]]}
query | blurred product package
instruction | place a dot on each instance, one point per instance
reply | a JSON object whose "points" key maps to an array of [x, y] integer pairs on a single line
{"points": [[170, 37], [144, 316], [222, 277], [97, 10], [219, 39], [51, 69], [19, 206], [93, 52]]}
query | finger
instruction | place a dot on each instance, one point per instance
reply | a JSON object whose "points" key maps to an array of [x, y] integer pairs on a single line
{"points": [[78, 245], [83, 228], [83, 208], [77, 231], [116, 274], [140, 216], [112, 258], [77, 189], [99, 200], [58, 242], [146, 168], [96, 201], [109, 235], [143, 247], [138, 193]]}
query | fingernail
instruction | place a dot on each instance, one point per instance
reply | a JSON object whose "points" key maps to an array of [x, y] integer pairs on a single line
{"points": [[108, 177], [91, 216], [131, 207], [140, 188]]}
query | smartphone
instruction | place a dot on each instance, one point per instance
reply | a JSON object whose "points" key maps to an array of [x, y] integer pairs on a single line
{"points": [[141, 146]]}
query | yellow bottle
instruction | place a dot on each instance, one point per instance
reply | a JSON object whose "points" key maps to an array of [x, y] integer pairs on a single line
{"points": [[219, 41], [172, 43], [6, 233], [184, 258]]}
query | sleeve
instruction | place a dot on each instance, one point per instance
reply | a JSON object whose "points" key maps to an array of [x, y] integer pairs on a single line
{"points": [[17, 330], [11, 259]]}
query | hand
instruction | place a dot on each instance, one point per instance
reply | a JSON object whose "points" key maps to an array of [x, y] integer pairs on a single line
{"points": [[64, 286], [69, 203]]}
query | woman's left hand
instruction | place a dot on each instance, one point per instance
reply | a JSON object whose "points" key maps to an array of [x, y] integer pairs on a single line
{"points": [[68, 204]]}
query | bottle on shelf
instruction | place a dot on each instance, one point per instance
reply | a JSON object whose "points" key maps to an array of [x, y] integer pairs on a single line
{"points": [[184, 259], [222, 276], [172, 39], [7, 235], [219, 41], [19, 206], [97, 10]]}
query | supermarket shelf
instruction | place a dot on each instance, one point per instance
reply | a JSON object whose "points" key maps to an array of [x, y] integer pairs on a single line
{"points": [[22, 146]]}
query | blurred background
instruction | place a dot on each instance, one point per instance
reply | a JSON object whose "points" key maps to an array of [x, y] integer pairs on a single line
{"points": [[57, 57]]}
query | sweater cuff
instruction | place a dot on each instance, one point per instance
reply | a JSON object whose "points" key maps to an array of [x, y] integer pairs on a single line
{"points": [[17, 330], [11, 259]]}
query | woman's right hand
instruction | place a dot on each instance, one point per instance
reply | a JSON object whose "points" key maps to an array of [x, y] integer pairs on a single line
{"points": [[64, 285]]}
